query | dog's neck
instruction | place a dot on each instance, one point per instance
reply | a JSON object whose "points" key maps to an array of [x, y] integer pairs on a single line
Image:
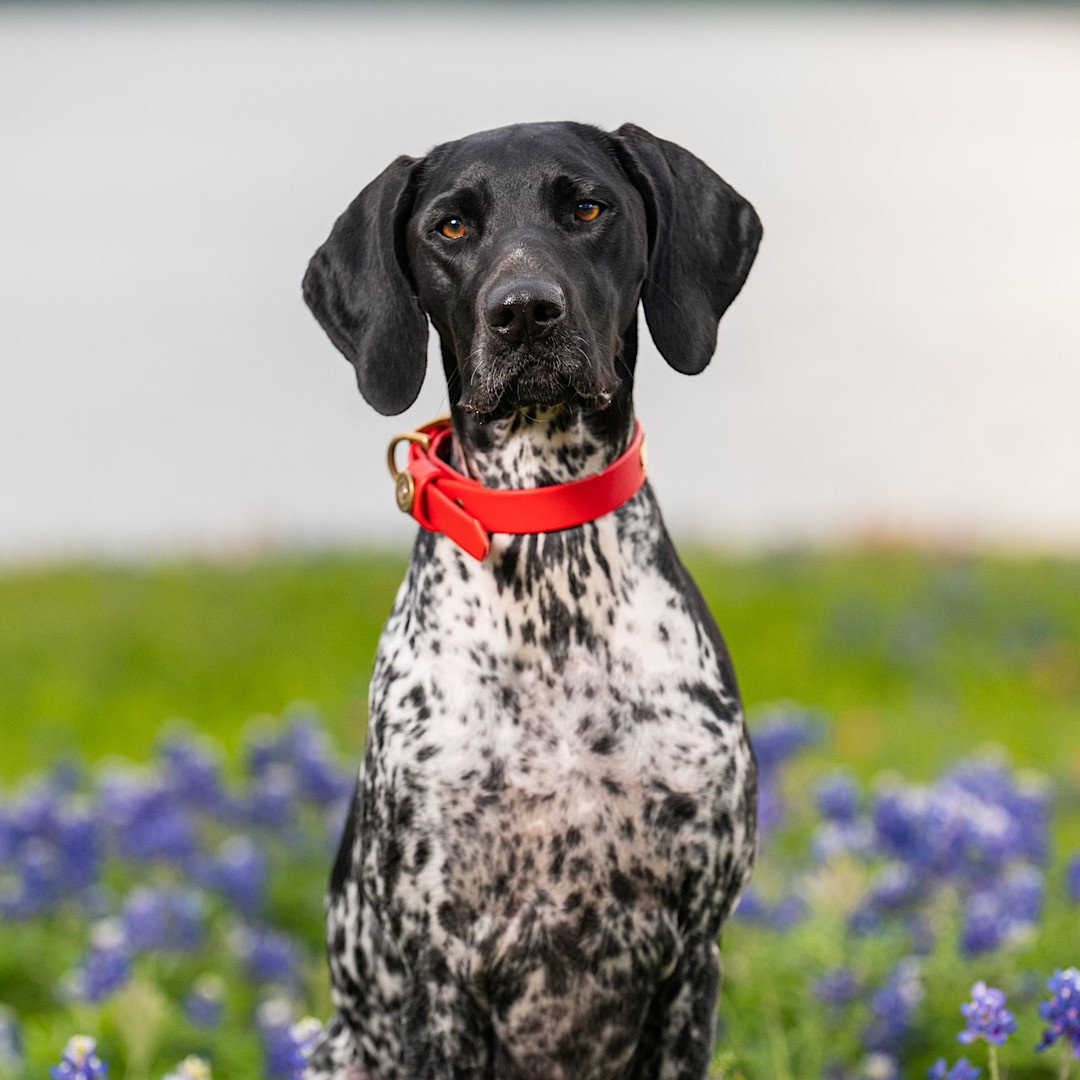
{"points": [[538, 447]]}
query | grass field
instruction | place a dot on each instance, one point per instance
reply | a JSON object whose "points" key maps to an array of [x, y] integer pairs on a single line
{"points": [[914, 657], [915, 660]]}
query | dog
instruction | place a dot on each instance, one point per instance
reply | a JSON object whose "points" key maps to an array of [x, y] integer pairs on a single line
{"points": [[556, 810]]}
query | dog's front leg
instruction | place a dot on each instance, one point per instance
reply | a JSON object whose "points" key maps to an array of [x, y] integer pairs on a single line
{"points": [[445, 1026], [680, 1029]]}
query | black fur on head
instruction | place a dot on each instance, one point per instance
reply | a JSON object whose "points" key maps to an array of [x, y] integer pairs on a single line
{"points": [[529, 248]]}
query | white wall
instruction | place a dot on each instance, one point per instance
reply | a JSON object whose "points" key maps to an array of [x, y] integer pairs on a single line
{"points": [[905, 357]]}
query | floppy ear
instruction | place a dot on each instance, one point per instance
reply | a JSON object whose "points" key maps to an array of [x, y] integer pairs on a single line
{"points": [[357, 286], [703, 236]]}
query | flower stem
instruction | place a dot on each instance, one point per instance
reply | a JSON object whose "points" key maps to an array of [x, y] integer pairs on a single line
{"points": [[1066, 1060], [994, 1074]]}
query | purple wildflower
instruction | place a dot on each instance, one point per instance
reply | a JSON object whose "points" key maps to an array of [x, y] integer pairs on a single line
{"points": [[205, 1002], [1062, 1011], [165, 920], [787, 913], [1072, 878], [274, 796], [962, 1070], [191, 766], [833, 838], [106, 966], [80, 1061], [987, 1018], [286, 1045], [240, 872], [892, 1010], [837, 989], [837, 797], [923, 939], [322, 781], [148, 820], [269, 955], [897, 887], [781, 736], [39, 873], [751, 906]]}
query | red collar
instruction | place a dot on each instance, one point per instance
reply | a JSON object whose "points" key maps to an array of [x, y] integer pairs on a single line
{"points": [[445, 501]]}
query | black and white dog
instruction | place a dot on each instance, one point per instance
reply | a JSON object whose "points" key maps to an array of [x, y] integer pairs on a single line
{"points": [[557, 808]]}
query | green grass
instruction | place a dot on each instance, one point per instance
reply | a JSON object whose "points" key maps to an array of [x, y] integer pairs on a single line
{"points": [[915, 657]]}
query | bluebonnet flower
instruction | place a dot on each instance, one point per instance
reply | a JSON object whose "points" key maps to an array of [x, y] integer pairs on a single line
{"points": [[787, 913], [305, 1035], [897, 886], [106, 966], [986, 1015], [191, 766], [892, 1010], [147, 819], [752, 906], [79, 841], [286, 1045], [80, 1061], [838, 988], [1062, 1011], [962, 1070], [776, 739], [322, 781], [8, 835], [273, 798], [191, 1068], [39, 876], [837, 796], [971, 824], [240, 872], [52, 849], [833, 838], [160, 919], [205, 1001], [1004, 914], [270, 956], [1072, 879], [781, 735], [11, 1049], [770, 813], [783, 915], [923, 939]]}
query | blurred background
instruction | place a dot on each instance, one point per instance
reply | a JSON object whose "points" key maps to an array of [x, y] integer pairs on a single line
{"points": [[199, 543], [196, 518], [904, 361]]}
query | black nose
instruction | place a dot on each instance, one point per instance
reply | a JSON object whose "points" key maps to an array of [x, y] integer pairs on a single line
{"points": [[524, 310]]}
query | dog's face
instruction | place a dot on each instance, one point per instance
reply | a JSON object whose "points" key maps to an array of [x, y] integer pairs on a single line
{"points": [[529, 247]]}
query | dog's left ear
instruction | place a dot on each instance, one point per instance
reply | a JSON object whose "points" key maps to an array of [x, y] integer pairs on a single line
{"points": [[358, 287], [703, 236]]}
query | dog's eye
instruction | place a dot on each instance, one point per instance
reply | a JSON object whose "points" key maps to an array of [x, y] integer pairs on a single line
{"points": [[587, 211], [453, 227]]}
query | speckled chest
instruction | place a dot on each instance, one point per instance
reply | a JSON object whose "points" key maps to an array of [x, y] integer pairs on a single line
{"points": [[558, 724]]}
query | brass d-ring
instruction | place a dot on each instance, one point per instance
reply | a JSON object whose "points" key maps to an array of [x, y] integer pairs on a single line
{"points": [[410, 436], [404, 484]]}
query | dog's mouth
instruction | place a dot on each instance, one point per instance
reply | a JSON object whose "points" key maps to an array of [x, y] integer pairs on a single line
{"points": [[553, 372]]}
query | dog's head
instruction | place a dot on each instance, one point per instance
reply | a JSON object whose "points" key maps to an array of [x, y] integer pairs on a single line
{"points": [[529, 248]]}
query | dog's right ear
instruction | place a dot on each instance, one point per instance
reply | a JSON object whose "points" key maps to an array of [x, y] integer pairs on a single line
{"points": [[359, 288]]}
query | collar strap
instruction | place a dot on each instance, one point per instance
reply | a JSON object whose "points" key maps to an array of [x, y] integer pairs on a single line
{"points": [[445, 501]]}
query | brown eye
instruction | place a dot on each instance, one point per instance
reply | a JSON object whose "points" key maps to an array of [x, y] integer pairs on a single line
{"points": [[587, 211], [453, 227]]}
